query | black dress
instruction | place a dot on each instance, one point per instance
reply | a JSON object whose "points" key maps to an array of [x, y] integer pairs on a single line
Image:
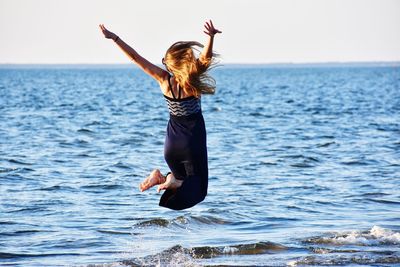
{"points": [[185, 152]]}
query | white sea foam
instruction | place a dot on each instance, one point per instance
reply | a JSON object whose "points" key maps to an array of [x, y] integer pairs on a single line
{"points": [[115, 264], [375, 236], [179, 258], [229, 250], [292, 263], [385, 235], [345, 260]]}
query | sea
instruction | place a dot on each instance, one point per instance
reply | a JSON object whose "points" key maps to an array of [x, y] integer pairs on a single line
{"points": [[304, 168]]}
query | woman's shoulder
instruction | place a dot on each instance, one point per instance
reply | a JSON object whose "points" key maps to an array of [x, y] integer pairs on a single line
{"points": [[165, 84], [172, 90]]}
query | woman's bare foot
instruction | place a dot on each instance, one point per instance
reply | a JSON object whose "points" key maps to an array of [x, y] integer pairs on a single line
{"points": [[170, 183], [153, 179]]}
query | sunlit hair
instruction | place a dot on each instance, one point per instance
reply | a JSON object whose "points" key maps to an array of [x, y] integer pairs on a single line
{"points": [[190, 73]]}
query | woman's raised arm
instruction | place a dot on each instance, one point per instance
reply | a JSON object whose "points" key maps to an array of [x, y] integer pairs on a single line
{"points": [[154, 71], [206, 54]]}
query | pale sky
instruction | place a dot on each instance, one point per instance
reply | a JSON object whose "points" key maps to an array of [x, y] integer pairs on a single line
{"points": [[254, 31]]}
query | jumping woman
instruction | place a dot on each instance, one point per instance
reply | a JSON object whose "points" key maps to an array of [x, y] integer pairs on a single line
{"points": [[185, 150]]}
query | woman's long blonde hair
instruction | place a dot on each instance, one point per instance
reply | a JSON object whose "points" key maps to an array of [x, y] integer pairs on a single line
{"points": [[190, 73]]}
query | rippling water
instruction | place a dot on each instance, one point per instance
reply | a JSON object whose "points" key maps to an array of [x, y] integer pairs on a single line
{"points": [[304, 166]]}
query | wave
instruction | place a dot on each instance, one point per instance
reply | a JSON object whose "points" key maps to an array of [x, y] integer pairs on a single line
{"points": [[2, 169], [101, 187], [154, 222], [326, 144], [375, 236], [122, 165], [181, 256], [77, 142], [22, 232], [5, 255], [355, 162], [94, 123], [183, 220], [85, 131], [30, 209], [15, 174], [348, 248], [344, 260], [19, 162], [58, 187], [384, 201], [241, 249], [114, 232]]}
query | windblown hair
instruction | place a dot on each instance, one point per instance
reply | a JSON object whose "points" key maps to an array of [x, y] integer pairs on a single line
{"points": [[190, 73]]}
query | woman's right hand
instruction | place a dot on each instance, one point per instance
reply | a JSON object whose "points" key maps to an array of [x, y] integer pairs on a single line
{"points": [[107, 33]]}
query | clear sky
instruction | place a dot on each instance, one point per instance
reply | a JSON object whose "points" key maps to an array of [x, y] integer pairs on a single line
{"points": [[254, 31]]}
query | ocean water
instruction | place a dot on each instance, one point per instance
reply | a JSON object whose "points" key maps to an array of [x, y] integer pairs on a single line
{"points": [[304, 165]]}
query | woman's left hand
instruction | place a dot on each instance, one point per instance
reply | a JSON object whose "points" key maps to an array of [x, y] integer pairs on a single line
{"points": [[210, 30]]}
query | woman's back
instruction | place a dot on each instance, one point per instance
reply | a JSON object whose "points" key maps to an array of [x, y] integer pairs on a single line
{"points": [[179, 105]]}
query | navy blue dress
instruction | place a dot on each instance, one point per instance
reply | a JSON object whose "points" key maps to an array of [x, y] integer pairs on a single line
{"points": [[185, 152]]}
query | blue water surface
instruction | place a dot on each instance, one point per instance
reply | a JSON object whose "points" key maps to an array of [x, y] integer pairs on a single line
{"points": [[304, 165]]}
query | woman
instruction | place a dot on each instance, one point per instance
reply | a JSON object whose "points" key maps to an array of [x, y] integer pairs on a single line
{"points": [[182, 84]]}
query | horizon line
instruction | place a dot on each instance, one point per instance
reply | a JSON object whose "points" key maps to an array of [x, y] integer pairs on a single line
{"points": [[229, 64]]}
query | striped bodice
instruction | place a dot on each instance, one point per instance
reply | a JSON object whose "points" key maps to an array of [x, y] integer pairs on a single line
{"points": [[183, 106]]}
